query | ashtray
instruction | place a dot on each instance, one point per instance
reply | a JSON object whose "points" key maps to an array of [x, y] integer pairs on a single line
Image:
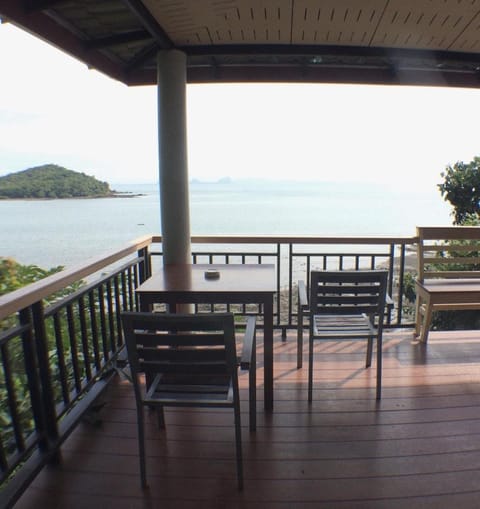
{"points": [[212, 274]]}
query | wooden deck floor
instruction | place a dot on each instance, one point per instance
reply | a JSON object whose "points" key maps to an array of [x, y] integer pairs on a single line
{"points": [[418, 448]]}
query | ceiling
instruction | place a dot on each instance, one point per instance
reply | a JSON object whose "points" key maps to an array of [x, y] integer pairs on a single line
{"points": [[426, 42]]}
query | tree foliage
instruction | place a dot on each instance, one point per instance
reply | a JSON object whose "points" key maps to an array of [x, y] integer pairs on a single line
{"points": [[51, 181], [14, 275], [461, 187]]}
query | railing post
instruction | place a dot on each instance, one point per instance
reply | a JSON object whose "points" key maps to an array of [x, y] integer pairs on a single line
{"points": [[290, 283], [391, 267], [37, 367], [279, 289], [48, 398], [401, 277], [145, 268], [31, 369]]}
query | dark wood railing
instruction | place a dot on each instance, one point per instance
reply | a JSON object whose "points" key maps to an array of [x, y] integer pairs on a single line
{"points": [[60, 338], [295, 256], [59, 341]]}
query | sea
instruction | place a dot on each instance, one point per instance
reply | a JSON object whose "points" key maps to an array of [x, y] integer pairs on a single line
{"points": [[67, 232]]}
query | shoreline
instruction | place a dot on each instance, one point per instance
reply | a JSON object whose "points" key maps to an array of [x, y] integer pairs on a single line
{"points": [[119, 194]]}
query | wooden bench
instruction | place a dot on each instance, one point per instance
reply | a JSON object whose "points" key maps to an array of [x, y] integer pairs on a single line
{"points": [[448, 272]]}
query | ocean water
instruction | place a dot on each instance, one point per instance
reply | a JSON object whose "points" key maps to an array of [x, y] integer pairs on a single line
{"points": [[66, 232]]}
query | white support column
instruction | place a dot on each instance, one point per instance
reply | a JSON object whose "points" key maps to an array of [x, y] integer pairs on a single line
{"points": [[173, 160]]}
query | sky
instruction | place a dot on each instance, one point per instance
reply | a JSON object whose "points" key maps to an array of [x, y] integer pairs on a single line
{"points": [[53, 109]]}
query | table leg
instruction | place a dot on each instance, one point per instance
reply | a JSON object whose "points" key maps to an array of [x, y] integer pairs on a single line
{"points": [[268, 352], [142, 305]]}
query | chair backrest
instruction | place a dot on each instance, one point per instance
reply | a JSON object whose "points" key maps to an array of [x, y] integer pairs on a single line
{"points": [[180, 344], [347, 292], [448, 252]]}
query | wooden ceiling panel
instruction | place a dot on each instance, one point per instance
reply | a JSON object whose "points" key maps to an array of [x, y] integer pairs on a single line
{"points": [[469, 39], [223, 22], [98, 18], [181, 20], [261, 21], [336, 22], [354, 41], [425, 24]]}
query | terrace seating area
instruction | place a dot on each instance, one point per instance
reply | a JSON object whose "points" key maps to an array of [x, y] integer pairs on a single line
{"points": [[77, 445], [416, 447], [69, 430]]}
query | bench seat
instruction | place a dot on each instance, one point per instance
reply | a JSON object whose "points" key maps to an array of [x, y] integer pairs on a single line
{"points": [[448, 275]]}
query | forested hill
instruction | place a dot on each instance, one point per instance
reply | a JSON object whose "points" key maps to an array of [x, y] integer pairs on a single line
{"points": [[51, 181]]}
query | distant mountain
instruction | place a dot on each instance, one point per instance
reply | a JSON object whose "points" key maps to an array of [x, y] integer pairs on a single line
{"points": [[222, 180], [52, 181]]}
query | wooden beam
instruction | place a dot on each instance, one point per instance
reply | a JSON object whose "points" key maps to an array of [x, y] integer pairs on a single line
{"points": [[119, 39], [43, 26], [40, 5], [142, 57], [435, 57], [150, 23]]}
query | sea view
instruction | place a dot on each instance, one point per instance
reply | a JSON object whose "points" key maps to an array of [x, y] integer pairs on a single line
{"points": [[68, 232]]}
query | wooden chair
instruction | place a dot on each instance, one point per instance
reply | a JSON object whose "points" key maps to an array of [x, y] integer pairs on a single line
{"points": [[448, 272], [189, 360], [344, 305]]}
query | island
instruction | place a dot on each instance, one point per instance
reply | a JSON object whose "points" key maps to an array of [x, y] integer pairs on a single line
{"points": [[51, 181]]}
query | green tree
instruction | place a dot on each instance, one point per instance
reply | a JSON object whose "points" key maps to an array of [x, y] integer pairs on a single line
{"points": [[51, 181], [14, 275], [461, 187]]}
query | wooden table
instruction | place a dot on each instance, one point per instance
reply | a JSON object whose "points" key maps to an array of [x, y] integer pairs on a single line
{"points": [[237, 284]]}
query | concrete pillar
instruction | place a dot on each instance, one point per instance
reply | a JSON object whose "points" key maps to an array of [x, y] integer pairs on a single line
{"points": [[173, 160]]}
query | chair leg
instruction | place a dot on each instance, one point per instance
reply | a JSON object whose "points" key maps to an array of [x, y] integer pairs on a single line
{"points": [[252, 392], [368, 361], [238, 444], [300, 338], [418, 315], [310, 368], [427, 319], [160, 417], [141, 446], [379, 366]]}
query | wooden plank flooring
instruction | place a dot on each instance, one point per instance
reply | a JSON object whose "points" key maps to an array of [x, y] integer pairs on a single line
{"points": [[417, 448]]}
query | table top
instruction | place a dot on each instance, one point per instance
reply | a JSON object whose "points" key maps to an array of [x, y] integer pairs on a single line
{"points": [[234, 278], [451, 285]]}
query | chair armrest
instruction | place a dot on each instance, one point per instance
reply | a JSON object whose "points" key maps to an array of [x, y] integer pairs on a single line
{"points": [[302, 295], [249, 343]]}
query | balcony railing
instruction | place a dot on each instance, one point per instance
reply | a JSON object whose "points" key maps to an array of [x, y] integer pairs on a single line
{"points": [[60, 338]]}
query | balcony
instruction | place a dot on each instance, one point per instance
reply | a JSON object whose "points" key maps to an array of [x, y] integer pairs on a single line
{"points": [[74, 443]]}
